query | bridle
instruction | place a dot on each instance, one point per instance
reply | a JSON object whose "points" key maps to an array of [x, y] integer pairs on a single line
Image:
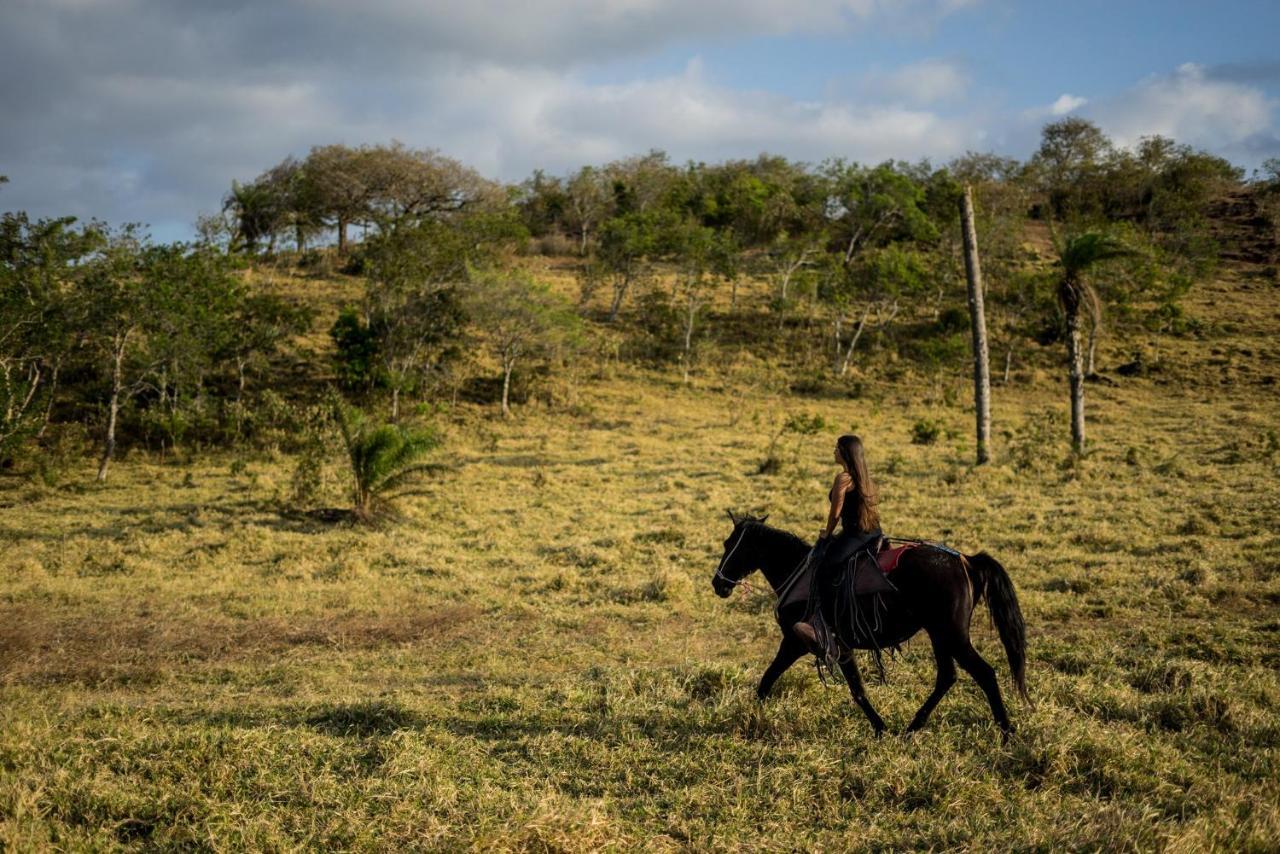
{"points": [[735, 582]]}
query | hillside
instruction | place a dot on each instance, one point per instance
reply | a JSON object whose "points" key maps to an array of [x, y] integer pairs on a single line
{"points": [[533, 658]]}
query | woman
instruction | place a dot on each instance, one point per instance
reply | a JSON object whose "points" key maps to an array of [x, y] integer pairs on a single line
{"points": [[853, 502]]}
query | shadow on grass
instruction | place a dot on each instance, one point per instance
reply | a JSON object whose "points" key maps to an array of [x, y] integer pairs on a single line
{"points": [[363, 720]]}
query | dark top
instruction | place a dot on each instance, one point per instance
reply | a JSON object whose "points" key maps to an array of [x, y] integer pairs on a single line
{"points": [[848, 516]]}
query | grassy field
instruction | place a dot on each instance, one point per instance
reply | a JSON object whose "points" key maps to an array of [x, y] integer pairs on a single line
{"points": [[533, 658]]}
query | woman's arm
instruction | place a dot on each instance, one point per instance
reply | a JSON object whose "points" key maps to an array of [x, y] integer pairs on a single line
{"points": [[838, 489]]}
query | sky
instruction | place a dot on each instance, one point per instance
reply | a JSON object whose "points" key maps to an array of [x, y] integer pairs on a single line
{"points": [[146, 110]]}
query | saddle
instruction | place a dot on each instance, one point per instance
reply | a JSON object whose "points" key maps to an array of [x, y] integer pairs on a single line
{"points": [[873, 576]]}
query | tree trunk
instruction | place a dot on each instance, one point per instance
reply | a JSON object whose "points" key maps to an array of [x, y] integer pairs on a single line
{"points": [[619, 291], [1008, 363], [48, 403], [300, 239], [507, 367], [978, 323], [1075, 360], [342, 236], [688, 337], [395, 403], [583, 249], [853, 342], [1093, 349], [117, 383]]}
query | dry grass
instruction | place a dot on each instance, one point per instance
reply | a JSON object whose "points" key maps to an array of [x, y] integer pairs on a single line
{"points": [[534, 659]]}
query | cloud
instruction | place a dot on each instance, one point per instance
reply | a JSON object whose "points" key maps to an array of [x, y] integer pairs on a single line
{"points": [[146, 109], [1191, 106], [1067, 104], [927, 82]]}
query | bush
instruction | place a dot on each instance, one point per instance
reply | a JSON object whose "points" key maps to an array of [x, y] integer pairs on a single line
{"points": [[925, 432], [385, 460]]}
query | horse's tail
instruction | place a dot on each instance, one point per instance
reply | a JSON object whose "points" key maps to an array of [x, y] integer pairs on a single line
{"points": [[1002, 602]]}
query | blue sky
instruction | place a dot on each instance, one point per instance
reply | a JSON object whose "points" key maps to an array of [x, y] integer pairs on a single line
{"points": [[145, 110]]}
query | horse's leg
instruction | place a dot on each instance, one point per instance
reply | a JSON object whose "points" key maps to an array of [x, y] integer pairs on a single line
{"points": [[942, 683], [789, 651], [985, 675], [851, 675]]}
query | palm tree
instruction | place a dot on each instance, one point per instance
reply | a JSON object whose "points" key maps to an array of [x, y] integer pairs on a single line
{"points": [[1077, 256], [385, 460]]}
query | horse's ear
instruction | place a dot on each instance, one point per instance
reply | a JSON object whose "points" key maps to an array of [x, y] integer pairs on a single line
{"points": [[764, 518], [732, 518]]}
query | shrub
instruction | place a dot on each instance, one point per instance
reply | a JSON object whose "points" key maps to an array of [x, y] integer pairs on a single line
{"points": [[925, 432], [385, 460]]}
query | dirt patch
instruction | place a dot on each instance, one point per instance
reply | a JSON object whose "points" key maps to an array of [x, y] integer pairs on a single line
{"points": [[39, 648]]}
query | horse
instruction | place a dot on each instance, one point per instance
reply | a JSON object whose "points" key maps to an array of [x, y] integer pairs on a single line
{"points": [[937, 591]]}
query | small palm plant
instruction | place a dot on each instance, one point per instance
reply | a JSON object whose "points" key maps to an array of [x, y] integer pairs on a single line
{"points": [[1077, 256], [386, 460]]}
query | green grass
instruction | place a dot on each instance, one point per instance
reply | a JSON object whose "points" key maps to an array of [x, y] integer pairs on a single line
{"points": [[534, 659]]}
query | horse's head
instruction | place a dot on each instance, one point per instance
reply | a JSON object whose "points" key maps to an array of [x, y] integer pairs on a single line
{"points": [[737, 562]]}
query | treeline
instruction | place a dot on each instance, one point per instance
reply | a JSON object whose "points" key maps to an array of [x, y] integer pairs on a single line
{"points": [[103, 332], [101, 328]]}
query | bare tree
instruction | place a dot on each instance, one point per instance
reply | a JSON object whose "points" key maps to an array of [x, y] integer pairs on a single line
{"points": [[978, 323]]}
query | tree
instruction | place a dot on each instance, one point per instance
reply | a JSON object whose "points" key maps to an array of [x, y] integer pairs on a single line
{"points": [[40, 263], [114, 301], [1079, 255], [411, 304], [589, 201], [520, 320], [626, 243], [258, 209], [385, 460], [978, 322], [1069, 167], [339, 184], [873, 207], [702, 255]]}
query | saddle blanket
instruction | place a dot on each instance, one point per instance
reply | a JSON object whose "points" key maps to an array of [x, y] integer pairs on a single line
{"points": [[888, 558]]}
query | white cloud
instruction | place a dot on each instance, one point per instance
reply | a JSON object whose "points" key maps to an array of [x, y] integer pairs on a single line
{"points": [[1190, 106], [1067, 104], [928, 82]]}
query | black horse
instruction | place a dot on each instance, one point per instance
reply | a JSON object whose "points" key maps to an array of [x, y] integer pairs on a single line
{"points": [[936, 591]]}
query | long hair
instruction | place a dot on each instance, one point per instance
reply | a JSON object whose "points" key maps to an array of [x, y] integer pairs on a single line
{"points": [[864, 493]]}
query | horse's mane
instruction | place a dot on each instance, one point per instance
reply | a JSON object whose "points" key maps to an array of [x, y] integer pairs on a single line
{"points": [[777, 535]]}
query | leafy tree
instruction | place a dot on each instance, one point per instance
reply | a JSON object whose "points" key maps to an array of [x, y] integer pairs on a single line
{"points": [[521, 320], [385, 460], [588, 201], [411, 303], [1079, 255], [627, 243], [258, 210], [871, 207], [39, 265], [702, 257], [1069, 167], [114, 295]]}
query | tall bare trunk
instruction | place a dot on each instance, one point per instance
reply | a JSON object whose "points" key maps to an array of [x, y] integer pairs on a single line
{"points": [[342, 237], [395, 403], [619, 292], [1093, 349], [688, 337], [1075, 360], [113, 411], [506, 387], [978, 323], [48, 401], [853, 342]]}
